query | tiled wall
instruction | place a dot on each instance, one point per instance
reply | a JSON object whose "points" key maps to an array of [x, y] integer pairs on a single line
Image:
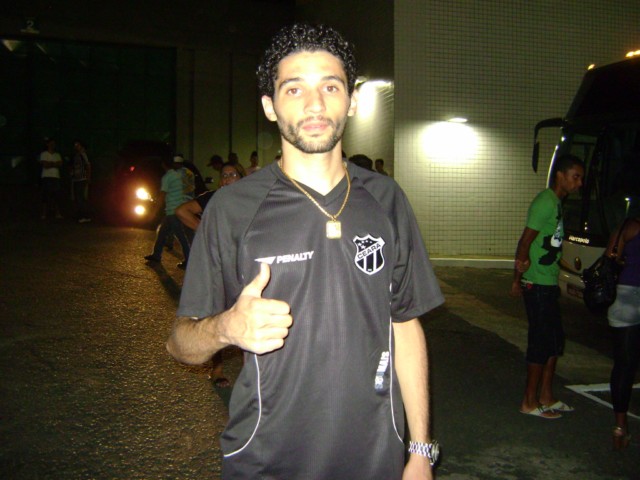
{"points": [[371, 130], [504, 65], [369, 25]]}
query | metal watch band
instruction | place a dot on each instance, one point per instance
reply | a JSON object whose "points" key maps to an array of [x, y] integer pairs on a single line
{"points": [[429, 450]]}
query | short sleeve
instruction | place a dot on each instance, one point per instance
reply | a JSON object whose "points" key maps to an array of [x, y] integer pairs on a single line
{"points": [[203, 289], [415, 289], [541, 208]]}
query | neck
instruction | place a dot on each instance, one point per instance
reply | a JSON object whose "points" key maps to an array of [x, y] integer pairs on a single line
{"points": [[320, 171], [560, 193]]}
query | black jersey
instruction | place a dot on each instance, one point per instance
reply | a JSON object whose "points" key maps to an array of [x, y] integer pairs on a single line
{"points": [[327, 405]]}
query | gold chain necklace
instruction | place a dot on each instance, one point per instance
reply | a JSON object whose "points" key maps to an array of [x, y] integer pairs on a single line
{"points": [[334, 227]]}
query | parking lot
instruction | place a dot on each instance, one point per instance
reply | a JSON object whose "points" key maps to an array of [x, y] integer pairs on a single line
{"points": [[88, 390]]}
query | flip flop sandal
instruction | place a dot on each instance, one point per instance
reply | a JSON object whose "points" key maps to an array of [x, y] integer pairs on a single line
{"points": [[542, 412]]}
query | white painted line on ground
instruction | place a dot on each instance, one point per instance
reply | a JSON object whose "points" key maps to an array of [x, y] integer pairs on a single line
{"points": [[599, 387]]}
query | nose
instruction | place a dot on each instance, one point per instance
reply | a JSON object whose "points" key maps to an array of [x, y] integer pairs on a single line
{"points": [[315, 101]]}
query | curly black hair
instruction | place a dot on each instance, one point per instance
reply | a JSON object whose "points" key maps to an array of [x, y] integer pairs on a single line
{"points": [[302, 37]]}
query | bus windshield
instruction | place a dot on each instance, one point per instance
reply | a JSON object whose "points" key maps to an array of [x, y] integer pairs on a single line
{"points": [[611, 185]]}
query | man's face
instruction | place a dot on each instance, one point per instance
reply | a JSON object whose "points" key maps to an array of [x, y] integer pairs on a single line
{"points": [[311, 102], [571, 180]]}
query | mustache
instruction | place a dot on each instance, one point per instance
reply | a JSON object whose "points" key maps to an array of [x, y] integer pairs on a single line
{"points": [[315, 118]]}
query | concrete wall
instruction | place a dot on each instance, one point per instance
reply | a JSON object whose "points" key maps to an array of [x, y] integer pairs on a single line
{"points": [[218, 44]]}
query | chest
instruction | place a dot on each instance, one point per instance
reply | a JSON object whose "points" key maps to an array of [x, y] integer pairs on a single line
{"points": [[289, 232]]}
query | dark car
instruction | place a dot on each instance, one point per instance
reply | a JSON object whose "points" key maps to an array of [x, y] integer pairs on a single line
{"points": [[135, 183]]}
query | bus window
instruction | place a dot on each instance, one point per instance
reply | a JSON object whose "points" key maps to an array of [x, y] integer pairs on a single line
{"points": [[575, 207]]}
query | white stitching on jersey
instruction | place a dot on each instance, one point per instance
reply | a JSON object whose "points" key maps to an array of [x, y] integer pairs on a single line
{"points": [[392, 350], [253, 434]]}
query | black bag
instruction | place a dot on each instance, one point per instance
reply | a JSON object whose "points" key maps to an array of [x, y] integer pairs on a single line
{"points": [[601, 278], [600, 281]]}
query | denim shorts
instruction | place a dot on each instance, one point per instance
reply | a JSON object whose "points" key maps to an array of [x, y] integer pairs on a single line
{"points": [[546, 336]]}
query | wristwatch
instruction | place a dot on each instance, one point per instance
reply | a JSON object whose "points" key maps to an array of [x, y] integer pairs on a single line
{"points": [[429, 450]]}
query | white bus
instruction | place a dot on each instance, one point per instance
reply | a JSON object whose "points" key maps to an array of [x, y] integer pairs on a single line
{"points": [[602, 127]]}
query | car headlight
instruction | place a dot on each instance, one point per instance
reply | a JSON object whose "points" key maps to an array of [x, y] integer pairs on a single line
{"points": [[140, 210], [143, 194]]}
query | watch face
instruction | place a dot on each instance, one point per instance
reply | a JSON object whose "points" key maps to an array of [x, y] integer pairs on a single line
{"points": [[434, 452]]}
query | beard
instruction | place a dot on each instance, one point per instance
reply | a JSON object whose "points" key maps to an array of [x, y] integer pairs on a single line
{"points": [[291, 133]]}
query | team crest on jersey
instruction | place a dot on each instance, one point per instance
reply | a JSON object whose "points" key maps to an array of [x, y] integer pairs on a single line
{"points": [[369, 256]]}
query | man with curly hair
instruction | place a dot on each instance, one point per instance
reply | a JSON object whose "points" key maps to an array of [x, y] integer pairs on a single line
{"points": [[317, 270]]}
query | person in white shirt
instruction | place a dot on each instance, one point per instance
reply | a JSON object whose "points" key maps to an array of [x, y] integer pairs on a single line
{"points": [[51, 161]]}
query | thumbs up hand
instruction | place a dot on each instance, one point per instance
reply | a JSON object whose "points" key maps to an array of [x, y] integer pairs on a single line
{"points": [[256, 324]]}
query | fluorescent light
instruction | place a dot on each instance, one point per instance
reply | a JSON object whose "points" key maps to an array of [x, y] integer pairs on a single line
{"points": [[457, 120], [369, 95], [450, 144]]}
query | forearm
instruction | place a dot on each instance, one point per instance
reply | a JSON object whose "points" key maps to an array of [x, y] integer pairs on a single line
{"points": [[187, 216], [521, 261], [253, 323], [195, 341], [411, 364]]}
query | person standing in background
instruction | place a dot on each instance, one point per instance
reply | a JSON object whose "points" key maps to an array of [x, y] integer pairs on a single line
{"points": [[80, 178], [177, 187], [253, 163], [380, 167], [624, 319], [51, 161], [199, 184], [215, 162], [233, 160], [536, 279]]}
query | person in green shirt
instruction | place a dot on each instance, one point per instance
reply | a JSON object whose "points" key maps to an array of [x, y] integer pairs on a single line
{"points": [[536, 279]]}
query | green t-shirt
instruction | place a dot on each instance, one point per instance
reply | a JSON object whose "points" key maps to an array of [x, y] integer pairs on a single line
{"points": [[545, 216]]}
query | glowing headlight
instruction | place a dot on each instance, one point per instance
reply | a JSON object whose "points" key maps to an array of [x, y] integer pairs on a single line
{"points": [[140, 210], [143, 194]]}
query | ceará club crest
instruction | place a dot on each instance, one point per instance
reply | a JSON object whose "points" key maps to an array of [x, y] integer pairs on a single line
{"points": [[369, 256]]}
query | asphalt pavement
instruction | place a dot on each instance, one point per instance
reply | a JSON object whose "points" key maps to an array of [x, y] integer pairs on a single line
{"points": [[88, 390]]}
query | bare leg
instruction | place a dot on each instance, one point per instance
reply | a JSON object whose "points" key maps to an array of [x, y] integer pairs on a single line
{"points": [[621, 436], [536, 375], [546, 387], [217, 374], [530, 400]]}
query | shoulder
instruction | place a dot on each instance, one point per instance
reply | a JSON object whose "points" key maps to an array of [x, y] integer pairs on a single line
{"points": [[246, 194], [384, 189], [168, 176], [546, 198]]}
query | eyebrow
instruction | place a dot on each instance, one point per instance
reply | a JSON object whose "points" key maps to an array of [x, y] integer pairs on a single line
{"points": [[327, 78]]}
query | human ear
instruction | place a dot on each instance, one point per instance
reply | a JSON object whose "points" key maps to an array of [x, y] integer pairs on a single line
{"points": [[267, 106], [353, 106]]}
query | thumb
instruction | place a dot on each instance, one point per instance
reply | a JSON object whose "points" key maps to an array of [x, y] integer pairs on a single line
{"points": [[259, 283]]}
